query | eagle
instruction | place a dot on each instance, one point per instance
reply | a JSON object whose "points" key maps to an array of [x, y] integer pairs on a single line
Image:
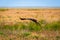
{"points": [[32, 19]]}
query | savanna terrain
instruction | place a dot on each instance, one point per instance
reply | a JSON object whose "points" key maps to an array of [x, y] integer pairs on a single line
{"points": [[12, 28]]}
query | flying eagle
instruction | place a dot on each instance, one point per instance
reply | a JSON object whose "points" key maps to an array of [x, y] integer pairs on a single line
{"points": [[32, 19]]}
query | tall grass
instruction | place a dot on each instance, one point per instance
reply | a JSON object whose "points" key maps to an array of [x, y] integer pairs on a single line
{"points": [[53, 26], [33, 27], [25, 30]]}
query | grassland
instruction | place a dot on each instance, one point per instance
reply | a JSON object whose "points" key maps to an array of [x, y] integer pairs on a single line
{"points": [[12, 28]]}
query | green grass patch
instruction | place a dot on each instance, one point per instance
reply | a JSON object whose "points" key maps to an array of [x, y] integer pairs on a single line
{"points": [[1, 33], [52, 26], [25, 34], [32, 26], [9, 27]]}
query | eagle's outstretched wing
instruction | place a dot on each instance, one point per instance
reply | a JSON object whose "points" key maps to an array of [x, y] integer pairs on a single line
{"points": [[32, 19]]}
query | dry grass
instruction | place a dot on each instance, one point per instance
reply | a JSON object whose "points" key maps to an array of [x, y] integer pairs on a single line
{"points": [[12, 28]]}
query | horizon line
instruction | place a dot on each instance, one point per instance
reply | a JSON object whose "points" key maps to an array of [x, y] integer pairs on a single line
{"points": [[30, 7]]}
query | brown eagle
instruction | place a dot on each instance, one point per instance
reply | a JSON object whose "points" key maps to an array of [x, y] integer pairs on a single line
{"points": [[32, 19]]}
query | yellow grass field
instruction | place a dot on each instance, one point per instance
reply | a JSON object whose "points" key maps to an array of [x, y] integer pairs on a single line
{"points": [[12, 28], [13, 15]]}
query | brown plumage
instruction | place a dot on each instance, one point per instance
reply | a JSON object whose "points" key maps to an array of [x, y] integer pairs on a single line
{"points": [[32, 19]]}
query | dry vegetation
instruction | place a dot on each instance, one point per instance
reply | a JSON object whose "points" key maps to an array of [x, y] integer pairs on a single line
{"points": [[12, 28]]}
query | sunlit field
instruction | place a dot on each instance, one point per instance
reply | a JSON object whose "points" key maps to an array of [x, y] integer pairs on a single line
{"points": [[12, 28]]}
